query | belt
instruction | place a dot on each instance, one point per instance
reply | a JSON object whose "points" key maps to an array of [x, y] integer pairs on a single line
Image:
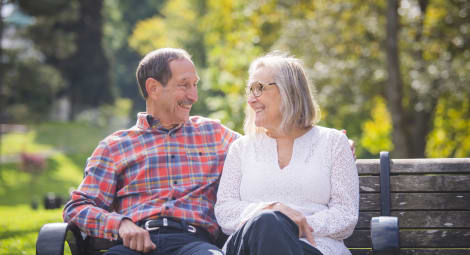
{"points": [[164, 223]]}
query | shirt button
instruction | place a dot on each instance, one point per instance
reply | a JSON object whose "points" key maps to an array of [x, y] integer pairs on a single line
{"points": [[172, 156], [175, 182], [167, 208]]}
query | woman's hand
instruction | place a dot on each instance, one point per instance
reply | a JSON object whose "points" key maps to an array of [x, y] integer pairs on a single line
{"points": [[304, 229]]}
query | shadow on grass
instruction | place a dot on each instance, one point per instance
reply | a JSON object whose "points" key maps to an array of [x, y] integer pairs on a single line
{"points": [[20, 232]]}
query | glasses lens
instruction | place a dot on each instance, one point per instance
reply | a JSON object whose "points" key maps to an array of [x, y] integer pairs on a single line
{"points": [[257, 88]]}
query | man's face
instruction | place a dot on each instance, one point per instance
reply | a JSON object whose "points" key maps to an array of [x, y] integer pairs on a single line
{"points": [[180, 93]]}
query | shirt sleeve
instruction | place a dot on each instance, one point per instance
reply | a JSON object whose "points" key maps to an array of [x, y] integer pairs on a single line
{"points": [[230, 210], [339, 220], [90, 206]]}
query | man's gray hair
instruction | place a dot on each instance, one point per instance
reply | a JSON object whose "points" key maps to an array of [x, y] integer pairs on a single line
{"points": [[298, 108], [156, 64]]}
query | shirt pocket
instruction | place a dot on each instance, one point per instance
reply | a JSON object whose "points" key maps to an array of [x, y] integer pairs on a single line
{"points": [[204, 163]]}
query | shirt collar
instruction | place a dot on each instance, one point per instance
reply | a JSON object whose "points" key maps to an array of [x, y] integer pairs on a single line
{"points": [[146, 121]]}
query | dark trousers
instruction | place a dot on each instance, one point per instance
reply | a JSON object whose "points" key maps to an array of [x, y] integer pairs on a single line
{"points": [[269, 233], [170, 242]]}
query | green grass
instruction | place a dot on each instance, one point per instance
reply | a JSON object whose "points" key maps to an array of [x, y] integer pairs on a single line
{"points": [[71, 144], [71, 138], [19, 227], [61, 174]]}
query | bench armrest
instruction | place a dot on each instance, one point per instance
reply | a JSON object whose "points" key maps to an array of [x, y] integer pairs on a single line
{"points": [[52, 236], [385, 235]]}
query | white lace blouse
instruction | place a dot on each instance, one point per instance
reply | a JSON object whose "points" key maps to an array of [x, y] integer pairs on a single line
{"points": [[321, 181]]}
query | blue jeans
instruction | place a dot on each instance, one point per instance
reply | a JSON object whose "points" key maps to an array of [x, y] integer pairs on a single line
{"points": [[173, 243], [271, 233]]}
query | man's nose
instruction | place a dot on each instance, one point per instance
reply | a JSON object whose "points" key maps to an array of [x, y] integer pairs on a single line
{"points": [[191, 94]]}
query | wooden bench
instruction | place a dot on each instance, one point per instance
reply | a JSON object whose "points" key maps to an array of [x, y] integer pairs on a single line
{"points": [[428, 198]]}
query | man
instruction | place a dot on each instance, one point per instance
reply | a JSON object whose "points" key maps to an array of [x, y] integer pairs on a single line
{"points": [[154, 185]]}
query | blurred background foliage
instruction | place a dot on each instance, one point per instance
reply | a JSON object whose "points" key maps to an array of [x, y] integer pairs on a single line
{"points": [[67, 76], [74, 61]]}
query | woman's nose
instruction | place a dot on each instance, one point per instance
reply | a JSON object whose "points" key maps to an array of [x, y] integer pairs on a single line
{"points": [[251, 98]]}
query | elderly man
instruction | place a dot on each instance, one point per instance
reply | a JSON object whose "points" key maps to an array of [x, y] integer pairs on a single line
{"points": [[154, 185]]}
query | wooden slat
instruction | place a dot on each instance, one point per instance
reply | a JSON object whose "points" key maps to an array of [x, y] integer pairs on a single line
{"points": [[421, 219], [426, 165], [435, 238], [432, 219], [406, 183], [368, 166], [418, 201], [432, 238], [441, 251], [431, 165], [359, 239], [361, 251], [364, 219], [369, 184], [433, 252]]}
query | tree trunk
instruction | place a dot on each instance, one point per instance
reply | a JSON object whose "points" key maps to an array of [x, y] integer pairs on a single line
{"points": [[394, 88], [88, 71]]}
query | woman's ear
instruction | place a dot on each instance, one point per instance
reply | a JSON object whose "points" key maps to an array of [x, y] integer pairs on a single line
{"points": [[152, 87]]}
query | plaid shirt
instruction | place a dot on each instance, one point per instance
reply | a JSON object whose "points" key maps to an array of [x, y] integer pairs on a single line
{"points": [[148, 171]]}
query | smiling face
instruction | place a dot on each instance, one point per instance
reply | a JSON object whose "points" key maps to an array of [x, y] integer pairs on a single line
{"points": [[172, 103], [267, 105]]}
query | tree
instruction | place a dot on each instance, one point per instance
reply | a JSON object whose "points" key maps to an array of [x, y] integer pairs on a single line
{"points": [[69, 34], [120, 18], [346, 48]]}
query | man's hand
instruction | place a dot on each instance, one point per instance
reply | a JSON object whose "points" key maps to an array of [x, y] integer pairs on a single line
{"points": [[352, 144], [304, 229], [135, 237]]}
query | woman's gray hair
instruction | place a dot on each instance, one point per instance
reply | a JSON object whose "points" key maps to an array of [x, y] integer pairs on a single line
{"points": [[299, 108]]}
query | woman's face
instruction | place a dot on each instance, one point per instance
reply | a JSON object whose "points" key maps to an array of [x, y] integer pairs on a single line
{"points": [[266, 105]]}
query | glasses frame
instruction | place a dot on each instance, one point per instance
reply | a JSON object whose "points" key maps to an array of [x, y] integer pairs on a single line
{"points": [[250, 90]]}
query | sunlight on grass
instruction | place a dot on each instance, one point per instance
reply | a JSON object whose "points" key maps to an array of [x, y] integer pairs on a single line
{"points": [[14, 143], [18, 187]]}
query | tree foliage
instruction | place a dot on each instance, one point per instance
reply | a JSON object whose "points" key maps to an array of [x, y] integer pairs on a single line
{"points": [[70, 38]]}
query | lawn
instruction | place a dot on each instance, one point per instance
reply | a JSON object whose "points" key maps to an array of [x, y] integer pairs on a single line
{"points": [[19, 227], [65, 147]]}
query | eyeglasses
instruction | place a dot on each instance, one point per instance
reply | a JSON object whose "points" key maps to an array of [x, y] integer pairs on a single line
{"points": [[256, 88]]}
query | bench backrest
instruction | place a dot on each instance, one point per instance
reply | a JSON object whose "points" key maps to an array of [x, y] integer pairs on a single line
{"points": [[430, 197]]}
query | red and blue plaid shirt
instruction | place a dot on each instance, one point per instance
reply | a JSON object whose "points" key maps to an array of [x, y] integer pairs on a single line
{"points": [[148, 171]]}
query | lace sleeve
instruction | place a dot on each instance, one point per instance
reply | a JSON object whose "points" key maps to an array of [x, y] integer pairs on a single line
{"points": [[230, 210], [339, 220]]}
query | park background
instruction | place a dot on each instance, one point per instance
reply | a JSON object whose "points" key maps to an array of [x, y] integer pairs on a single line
{"points": [[395, 74]]}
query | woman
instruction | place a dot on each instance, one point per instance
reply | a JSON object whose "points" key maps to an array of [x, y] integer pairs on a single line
{"points": [[288, 186]]}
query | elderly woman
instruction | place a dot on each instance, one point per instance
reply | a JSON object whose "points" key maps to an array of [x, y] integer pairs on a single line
{"points": [[288, 186]]}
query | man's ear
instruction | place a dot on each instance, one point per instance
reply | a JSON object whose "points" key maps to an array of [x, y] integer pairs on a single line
{"points": [[153, 87]]}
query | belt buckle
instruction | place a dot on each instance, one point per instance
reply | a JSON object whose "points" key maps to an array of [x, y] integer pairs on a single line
{"points": [[148, 228], [191, 229]]}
